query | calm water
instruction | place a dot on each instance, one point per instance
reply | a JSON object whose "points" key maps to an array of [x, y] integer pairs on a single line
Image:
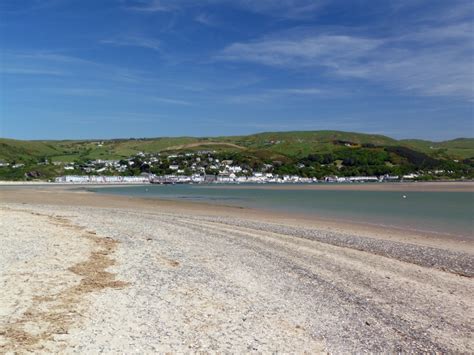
{"points": [[440, 212]]}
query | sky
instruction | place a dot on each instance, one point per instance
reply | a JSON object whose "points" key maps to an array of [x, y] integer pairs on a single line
{"points": [[87, 69]]}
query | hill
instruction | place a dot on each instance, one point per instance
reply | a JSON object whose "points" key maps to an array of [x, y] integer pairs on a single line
{"points": [[290, 144], [303, 153], [461, 148], [16, 150]]}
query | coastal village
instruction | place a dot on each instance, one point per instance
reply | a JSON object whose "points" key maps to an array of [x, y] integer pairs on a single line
{"points": [[296, 159], [194, 168]]}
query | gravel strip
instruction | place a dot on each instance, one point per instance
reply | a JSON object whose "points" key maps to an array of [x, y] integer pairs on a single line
{"points": [[449, 261]]}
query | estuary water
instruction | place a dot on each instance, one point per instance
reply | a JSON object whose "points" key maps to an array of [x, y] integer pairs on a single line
{"points": [[434, 212]]}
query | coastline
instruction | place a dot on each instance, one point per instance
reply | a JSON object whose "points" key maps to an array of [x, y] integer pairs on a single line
{"points": [[87, 272], [467, 186], [78, 195], [435, 186]]}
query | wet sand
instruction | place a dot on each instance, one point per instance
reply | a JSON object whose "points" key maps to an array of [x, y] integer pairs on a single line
{"points": [[84, 272]]}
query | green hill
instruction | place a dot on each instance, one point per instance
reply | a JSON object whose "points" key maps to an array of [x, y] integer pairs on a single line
{"points": [[460, 148], [15, 150], [304, 153], [302, 143], [287, 144]]}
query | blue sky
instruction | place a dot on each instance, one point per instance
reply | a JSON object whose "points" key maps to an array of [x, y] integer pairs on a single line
{"points": [[148, 68]]}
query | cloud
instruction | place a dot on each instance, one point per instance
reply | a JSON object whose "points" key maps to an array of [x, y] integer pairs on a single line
{"points": [[282, 8], [167, 100], [302, 91], [56, 63], [30, 71], [150, 6], [456, 32], [75, 91], [52, 56], [134, 41], [274, 8], [310, 50], [205, 19], [276, 95], [16, 7], [430, 60]]}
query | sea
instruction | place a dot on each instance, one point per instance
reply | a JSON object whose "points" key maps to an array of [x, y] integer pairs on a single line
{"points": [[450, 213]]}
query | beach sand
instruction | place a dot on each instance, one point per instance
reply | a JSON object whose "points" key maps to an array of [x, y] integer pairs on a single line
{"points": [[83, 272]]}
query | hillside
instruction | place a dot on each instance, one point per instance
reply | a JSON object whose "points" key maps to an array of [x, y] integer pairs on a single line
{"points": [[290, 144], [315, 154], [461, 148], [15, 150]]}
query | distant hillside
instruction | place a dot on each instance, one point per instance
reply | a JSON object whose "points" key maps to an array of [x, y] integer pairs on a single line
{"points": [[15, 150], [461, 148], [270, 144], [302, 143]]}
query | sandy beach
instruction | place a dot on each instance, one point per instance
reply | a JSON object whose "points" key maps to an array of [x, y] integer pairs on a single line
{"points": [[88, 273]]}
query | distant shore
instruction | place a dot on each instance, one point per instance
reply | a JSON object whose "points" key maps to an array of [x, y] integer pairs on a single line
{"points": [[441, 186]]}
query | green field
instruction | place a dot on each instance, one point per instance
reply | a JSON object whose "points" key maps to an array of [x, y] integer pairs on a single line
{"points": [[271, 144]]}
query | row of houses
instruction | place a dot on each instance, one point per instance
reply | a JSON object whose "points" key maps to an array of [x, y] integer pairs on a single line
{"points": [[179, 179], [228, 179], [221, 178], [384, 178], [101, 179]]}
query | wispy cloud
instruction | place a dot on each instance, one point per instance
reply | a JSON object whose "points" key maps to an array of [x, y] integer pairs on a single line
{"points": [[310, 50], [52, 56], [282, 95], [76, 91], [301, 91], [283, 8], [205, 19], [30, 71], [275, 8], [13, 7], [172, 101], [149, 5], [57, 63], [429, 61], [134, 41]]}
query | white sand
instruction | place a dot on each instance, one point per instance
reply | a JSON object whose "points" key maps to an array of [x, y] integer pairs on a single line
{"points": [[117, 280]]}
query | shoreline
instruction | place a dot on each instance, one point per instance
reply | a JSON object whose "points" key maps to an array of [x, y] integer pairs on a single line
{"points": [[467, 186], [79, 196], [435, 186]]}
